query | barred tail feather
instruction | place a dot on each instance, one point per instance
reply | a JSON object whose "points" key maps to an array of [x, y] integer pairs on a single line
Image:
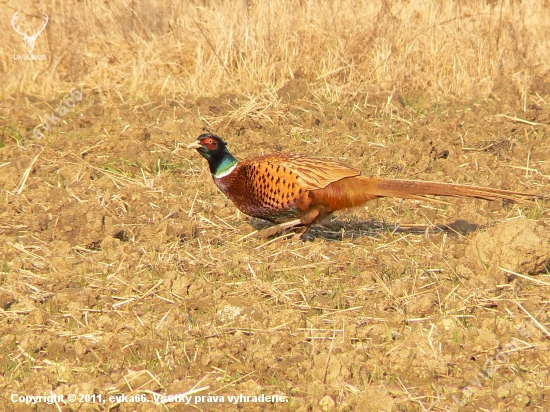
{"points": [[402, 188]]}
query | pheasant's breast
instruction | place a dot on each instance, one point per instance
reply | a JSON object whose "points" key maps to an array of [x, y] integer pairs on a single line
{"points": [[264, 189]]}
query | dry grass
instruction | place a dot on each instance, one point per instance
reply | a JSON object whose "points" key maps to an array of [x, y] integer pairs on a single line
{"points": [[190, 49], [121, 267]]}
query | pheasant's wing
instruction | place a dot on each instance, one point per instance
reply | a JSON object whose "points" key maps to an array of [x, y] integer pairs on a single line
{"points": [[313, 173]]}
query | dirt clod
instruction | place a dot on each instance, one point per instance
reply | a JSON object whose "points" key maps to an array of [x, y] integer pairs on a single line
{"points": [[520, 245]]}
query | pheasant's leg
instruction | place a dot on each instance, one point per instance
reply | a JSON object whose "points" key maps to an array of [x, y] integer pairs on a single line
{"points": [[273, 230], [307, 220]]}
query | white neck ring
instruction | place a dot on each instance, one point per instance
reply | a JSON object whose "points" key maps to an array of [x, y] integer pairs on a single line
{"points": [[226, 172]]}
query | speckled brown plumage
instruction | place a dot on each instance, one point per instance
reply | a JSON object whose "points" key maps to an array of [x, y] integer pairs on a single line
{"points": [[285, 187]]}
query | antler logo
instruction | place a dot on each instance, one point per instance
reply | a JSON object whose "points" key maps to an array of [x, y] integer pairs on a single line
{"points": [[29, 40]]}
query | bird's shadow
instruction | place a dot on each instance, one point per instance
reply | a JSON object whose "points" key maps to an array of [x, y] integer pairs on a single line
{"points": [[351, 229]]}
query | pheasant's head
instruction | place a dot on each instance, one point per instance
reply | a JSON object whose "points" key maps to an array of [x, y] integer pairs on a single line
{"points": [[213, 149], [209, 146]]}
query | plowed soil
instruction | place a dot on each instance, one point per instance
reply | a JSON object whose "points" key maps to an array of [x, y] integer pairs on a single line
{"points": [[122, 270]]}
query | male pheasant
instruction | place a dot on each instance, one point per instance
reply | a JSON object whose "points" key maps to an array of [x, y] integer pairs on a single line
{"points": [[294, 190]]}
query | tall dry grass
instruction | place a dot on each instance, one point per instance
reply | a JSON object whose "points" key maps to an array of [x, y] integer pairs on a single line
{"points": [[451, 49]]}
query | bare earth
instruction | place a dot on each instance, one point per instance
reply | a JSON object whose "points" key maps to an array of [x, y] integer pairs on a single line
{"points": [[122, 272]]}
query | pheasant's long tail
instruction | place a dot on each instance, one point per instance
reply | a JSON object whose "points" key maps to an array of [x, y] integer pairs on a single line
{"points": [[355, 191], [414, 188]]}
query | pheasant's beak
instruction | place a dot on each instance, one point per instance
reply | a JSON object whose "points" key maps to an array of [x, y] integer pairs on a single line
{"points": [[194, 145]]}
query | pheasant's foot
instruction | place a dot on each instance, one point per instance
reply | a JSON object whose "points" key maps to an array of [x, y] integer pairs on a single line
{"points": [[300, 233], [273, 230]]}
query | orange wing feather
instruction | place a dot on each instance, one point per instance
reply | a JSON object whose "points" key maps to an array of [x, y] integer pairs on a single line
{"points": [[311, 173]]}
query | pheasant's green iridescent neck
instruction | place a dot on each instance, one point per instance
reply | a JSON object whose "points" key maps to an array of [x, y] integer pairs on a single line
{"points": [[224, 167]]}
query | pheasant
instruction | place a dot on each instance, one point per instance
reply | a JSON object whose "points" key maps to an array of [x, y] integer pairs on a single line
{"points": [[297, 191]]}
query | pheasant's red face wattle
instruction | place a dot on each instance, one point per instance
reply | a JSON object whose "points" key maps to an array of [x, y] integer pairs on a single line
{"points": [[210, 143]]}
